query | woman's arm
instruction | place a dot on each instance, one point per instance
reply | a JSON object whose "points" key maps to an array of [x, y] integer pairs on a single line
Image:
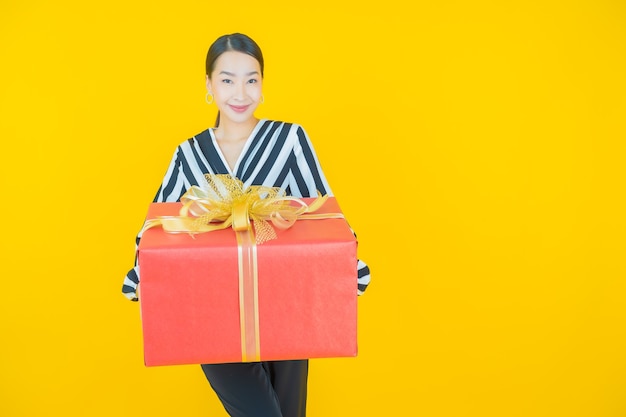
{"points": [[308, 179], [174, 185]]}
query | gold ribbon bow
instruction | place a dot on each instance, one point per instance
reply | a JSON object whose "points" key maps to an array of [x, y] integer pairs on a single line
{"points": [[224, 202]]}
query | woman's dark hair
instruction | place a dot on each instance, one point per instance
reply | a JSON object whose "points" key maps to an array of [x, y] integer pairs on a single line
{"points": [[234, 42]]}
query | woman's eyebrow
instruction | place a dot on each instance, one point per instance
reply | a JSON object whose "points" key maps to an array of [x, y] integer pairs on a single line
{"points": [[230, 74]]}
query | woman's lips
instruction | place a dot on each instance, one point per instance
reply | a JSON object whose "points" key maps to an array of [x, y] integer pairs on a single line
{"points": [[238, 109]]}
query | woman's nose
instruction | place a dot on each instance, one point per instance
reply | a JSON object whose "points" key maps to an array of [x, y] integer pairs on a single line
{"points": [[239, 91]]}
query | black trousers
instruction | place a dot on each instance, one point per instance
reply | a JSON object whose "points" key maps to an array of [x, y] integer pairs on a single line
{"points": [[261, 389]]}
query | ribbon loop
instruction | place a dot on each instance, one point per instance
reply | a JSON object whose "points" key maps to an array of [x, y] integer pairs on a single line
{"points": [[241, 216]]}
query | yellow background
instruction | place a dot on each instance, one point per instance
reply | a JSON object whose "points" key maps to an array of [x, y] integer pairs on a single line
{"points": [[477, 148]]}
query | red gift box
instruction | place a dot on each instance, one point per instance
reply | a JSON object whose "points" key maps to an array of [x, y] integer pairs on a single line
{"points": [[306, 300]]}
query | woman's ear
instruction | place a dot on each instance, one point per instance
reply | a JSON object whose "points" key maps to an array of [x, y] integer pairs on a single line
{"points": [[208, 84]]}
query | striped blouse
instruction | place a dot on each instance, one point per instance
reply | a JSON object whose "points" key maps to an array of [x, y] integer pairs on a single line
{"points": [[276, 154]]}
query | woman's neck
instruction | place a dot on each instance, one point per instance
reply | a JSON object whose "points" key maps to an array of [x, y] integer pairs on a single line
{"points": [[232, 132]]}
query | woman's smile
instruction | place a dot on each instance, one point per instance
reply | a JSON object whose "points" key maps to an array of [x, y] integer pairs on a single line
{"points": [[239, 109]]}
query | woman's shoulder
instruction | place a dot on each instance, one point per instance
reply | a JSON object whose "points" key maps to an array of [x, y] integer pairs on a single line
{"points": [[281, 124], [203, 136]]}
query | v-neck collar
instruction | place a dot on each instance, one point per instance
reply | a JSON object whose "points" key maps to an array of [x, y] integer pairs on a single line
{"points": [[244, 150]]}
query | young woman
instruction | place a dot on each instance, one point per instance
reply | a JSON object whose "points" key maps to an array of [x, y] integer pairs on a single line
{"points": [[258, 152]]}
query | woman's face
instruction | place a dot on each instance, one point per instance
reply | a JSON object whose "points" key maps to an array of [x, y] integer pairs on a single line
{"points": [[236, 85]]}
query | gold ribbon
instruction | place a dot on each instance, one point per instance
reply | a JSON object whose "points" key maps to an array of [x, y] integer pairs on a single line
{"points": [[224, 202]]}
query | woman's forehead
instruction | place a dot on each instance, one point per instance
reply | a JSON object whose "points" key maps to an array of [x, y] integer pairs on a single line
{"points": [[237, 63]]}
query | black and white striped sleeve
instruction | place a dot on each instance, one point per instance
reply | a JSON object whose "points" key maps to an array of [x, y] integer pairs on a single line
{"points": [[306, 173], [175, 182], [309, 179], [363, 277], [173, 186]]}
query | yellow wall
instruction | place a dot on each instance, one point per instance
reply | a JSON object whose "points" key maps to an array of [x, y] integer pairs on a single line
{"points": [[497, 128]]}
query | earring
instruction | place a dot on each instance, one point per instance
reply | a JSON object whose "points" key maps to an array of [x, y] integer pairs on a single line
{"points": [[206, 98], [262, 99]]}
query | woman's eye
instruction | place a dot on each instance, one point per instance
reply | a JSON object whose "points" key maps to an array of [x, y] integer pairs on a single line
{"points": [[252, 81], [227, 81]]}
